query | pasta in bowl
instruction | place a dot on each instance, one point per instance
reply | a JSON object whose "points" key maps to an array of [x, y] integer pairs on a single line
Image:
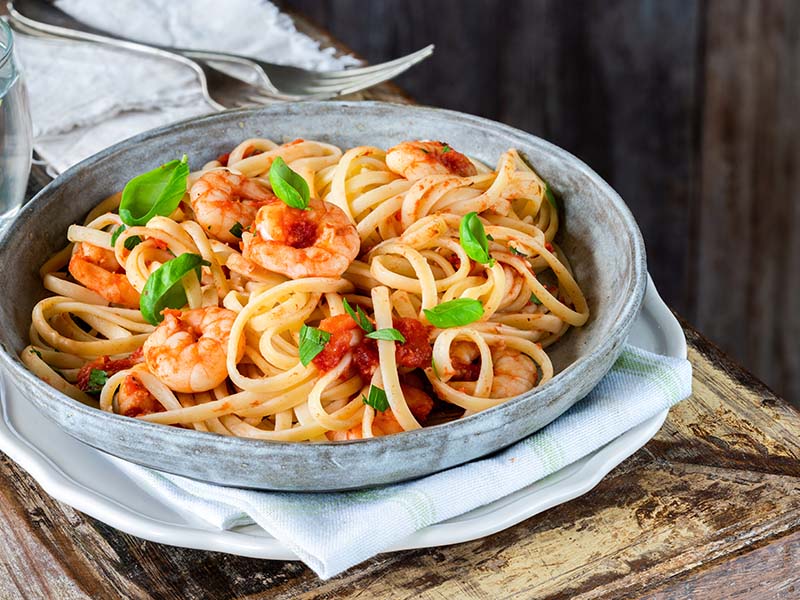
{"points": [[312, 291]]}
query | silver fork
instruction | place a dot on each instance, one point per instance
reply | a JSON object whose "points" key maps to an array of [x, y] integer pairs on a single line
{"points": [[276, 82]]}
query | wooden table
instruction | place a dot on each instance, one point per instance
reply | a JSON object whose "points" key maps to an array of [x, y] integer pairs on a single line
{"points": [[707, 509]]}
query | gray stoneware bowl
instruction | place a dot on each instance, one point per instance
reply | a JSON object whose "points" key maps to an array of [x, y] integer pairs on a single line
{"points": [[598, 234]]}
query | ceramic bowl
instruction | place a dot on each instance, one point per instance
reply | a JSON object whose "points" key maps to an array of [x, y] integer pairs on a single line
{"points": [[598, 234]]}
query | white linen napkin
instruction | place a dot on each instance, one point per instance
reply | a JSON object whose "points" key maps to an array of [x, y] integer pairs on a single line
{"points": [[85, 97], [331, 532]]}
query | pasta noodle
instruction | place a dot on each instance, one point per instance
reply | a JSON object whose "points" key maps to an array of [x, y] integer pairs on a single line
{"points": [[408, 282]]}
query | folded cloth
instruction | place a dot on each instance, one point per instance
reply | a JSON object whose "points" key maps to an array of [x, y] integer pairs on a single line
{"points": [[85, 97], [331, 532]]}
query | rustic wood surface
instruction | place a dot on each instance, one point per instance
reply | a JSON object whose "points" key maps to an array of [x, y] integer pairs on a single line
{"points": [[707, 509], [688, 108]]}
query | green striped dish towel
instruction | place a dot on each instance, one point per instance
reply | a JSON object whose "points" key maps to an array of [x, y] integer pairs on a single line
{"points": [[331, 532]]}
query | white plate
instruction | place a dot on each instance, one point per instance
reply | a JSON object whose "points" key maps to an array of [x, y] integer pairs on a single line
{"points": [[91, 481]]}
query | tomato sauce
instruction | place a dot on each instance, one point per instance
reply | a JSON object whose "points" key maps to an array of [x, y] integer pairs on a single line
{"points": [[104, 363], [415, 353], [343, 336]]}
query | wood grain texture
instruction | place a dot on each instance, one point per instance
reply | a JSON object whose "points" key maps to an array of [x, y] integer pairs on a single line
{"points": [[748, 272], [688, 108]]}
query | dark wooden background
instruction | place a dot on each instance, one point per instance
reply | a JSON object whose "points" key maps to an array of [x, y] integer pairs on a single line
{"points": [[688, 108]]}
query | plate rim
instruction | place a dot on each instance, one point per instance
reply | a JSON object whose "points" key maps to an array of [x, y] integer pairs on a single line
{"points": [[595, 466]]}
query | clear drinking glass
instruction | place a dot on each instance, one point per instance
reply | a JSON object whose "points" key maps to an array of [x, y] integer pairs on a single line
{"points": [[16, 138]]}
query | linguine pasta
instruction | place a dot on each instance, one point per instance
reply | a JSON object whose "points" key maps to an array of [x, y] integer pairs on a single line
{"points": [[412, 284]]}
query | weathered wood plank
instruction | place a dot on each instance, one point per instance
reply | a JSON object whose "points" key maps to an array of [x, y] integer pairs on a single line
{"points": [[742, 578], [748, 243]]}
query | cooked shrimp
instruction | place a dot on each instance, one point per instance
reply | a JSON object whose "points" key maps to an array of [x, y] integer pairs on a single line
{"points": [[514, 373], [385, 422], [415, 160], [134, 400], [318, 242], [221, 199], [187, 351], [98, 270]]}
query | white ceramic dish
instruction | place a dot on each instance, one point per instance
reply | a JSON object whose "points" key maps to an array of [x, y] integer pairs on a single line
{"points": [[92, 481]]}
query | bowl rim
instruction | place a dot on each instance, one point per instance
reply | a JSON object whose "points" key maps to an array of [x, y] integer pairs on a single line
{"points": [[634, 293]]}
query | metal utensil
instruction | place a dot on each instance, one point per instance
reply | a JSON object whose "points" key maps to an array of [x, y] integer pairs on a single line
{"points": [[279, 82]]}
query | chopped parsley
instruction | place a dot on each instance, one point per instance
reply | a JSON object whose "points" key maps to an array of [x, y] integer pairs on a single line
{"points": [[376, 399], [312, 342], [236, 230], [97, 379], [390, 333], [359, 316]]}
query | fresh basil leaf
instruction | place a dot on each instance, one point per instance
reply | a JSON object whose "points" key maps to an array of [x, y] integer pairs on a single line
{"points": [[288, 185], [164, 289], [361, 319], [455, 313], [446, 149], [312, 341], [130, 243], [377, 398], [155, 193], [236, 230], [390, 333], [550, 197], [517, 252], [116, 233], [97, 379], [535, 300], [473, 239]]}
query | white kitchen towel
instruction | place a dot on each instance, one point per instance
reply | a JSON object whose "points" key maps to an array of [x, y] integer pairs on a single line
{"points": [[85, 97], [331, 532]]}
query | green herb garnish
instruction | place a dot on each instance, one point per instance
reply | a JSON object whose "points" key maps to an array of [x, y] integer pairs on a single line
{"points": [[473, 239], [97, 379], [36, 352], [116, 233], [164, 287], [360, 317], [288, 185], [435, 370], [312, 341], [390, 333], [549, 195], [376, 399], [446, 149], [455, 313], [236, 230], [517, 252], [155, 193], [535, 300], [130, 243]]}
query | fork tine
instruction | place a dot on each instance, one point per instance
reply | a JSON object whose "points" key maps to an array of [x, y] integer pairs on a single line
{"points": [[349, 73], [353, 87], [359, 83]]}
